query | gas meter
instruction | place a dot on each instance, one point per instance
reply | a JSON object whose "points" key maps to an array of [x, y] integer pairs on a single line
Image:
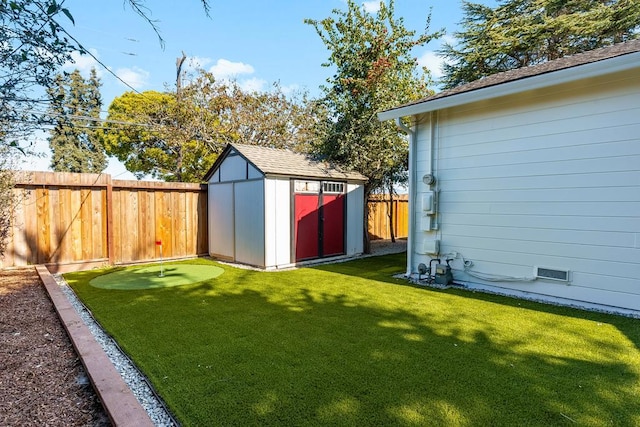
{"points": [[443, 275]]}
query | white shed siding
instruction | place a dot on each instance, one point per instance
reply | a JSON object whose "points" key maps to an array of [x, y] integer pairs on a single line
{"points": [[235, 168], [277, 222], [253, 173], [354, 218], [221, 220], [249, 222], [544, 178]]}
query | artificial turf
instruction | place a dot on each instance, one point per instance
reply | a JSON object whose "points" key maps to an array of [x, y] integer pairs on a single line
{"points": [[347, 344], [155, 276]]}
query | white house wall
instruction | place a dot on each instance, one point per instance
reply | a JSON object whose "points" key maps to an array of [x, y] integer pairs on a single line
{"points": [[355, 218], [221, 220], [277, 233], [547, 178]]}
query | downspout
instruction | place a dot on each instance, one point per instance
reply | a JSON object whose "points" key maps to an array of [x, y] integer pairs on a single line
{"points": [[412, 184], [433, 123]]}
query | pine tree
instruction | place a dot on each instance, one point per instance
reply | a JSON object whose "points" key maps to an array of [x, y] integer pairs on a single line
{"points": [[519, 33], [75, 111]]}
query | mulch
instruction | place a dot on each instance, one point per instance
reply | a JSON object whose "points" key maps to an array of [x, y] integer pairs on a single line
{"points": [[42, 381]]}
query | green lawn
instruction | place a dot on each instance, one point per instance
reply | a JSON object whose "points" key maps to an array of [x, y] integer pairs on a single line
{"points": [[347, 344]]}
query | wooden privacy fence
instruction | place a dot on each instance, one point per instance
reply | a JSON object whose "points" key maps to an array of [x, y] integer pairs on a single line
{"points": [[379, 206], [71, 221], [85, 220]]}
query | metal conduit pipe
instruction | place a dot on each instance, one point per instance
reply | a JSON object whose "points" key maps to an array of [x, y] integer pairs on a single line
{"points": [[412, 184]]}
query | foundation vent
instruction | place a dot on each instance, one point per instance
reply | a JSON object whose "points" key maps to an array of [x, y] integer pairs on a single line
{"points": [[552, 274]]}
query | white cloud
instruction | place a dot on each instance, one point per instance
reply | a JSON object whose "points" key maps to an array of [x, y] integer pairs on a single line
{"points": [[372, 6], [252, 85], [290, 89], [134, 77], [225, 69], [447, 38], [432, 62], [196, 62], [84, 63]]}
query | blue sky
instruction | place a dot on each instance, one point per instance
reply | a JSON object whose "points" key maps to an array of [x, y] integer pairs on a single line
{"points": [[257, 42]]}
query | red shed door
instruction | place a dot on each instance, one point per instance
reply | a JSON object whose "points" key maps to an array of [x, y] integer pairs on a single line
{"points": [[306, 226], [332, 224]]}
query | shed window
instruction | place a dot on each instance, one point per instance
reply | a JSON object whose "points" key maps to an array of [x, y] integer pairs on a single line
{"points": [[333, 187], [307, 186]]}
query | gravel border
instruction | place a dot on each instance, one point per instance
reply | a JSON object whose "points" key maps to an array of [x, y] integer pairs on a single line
{"points": [[137, 382]]}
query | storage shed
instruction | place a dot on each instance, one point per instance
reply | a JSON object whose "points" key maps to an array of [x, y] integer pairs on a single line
{"points": [[529, 180], [273, 208]]}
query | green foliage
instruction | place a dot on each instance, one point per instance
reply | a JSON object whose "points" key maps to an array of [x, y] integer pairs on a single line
{"points": [[269, 118], [32, 47], [519, 33], [141, 132], [347, 344], [75, 113], [178, 138], [374, 71]]}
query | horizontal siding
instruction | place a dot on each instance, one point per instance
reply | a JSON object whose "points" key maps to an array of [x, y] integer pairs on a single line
{"points": [[591, 180], [510, 260], [519, 167], [590, 208], [621, 194], [546, 222], [546, 178], [574, 153], [573, 237], [527, 249]]}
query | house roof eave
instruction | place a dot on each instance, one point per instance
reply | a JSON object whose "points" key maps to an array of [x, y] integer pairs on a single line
{"points": [[593, 69]]}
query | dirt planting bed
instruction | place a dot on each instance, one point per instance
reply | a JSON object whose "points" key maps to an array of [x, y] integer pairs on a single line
{"points": [[42, 381]]}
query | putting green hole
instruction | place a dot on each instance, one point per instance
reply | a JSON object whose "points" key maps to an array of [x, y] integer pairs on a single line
{"points": [[151, 277]]}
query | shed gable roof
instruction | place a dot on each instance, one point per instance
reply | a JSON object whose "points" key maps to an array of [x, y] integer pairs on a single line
{"points": [[567, 62], [278, 162]]}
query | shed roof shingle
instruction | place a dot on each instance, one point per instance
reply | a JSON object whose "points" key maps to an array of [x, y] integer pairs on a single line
{"points": [[583, 58], [279, 162]]}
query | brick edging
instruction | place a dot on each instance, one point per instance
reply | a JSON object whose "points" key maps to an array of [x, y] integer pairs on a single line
{"points": [[117, 399]]}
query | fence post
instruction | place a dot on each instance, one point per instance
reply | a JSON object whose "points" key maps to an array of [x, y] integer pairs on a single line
{"points": [[109, 207]]}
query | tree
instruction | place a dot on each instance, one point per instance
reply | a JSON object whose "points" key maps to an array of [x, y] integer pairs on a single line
{"points": [[270, 118], [32, 48], [141, 132], [75, 112], [374, 71], [519, 33], [177, 138], [7, 199], [33, 45]]}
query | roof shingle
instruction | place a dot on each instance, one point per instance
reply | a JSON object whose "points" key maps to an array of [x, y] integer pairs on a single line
{"points": [[278, 162], [583, 58]]}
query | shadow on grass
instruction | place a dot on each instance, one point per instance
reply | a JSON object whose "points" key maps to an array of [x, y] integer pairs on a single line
{"points": [[389, 265], [315, 347]]}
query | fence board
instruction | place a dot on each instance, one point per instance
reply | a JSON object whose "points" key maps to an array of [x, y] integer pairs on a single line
{"points": [[378, 224], [89, 220], [66, 219]]}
